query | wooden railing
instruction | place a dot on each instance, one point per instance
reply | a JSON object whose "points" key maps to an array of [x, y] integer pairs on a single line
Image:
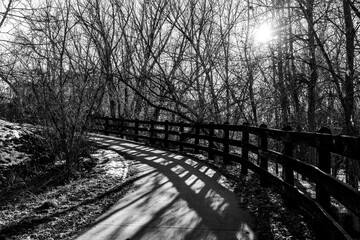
{"points": [[258, 149]]}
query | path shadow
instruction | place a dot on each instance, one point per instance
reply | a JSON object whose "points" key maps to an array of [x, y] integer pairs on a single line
{"points": [[180, 198]]}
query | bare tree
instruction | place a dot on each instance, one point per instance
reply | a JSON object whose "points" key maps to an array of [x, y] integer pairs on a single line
{"points": [[64, 78], [98, 20], [6, 7]]}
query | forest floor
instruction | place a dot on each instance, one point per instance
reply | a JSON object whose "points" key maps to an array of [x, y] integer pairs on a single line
{"points": [[43, 207], [39, 204]]}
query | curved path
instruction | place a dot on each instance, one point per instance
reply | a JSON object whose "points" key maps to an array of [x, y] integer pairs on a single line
{"points": [[176, 198]]}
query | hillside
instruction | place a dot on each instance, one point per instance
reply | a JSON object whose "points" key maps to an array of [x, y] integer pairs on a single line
{"points": [[36, 201]]}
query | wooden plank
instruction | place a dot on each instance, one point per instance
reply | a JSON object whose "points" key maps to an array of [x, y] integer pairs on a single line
{"points": [[193, 135], [343, 145], [248, 146], [288, 151], [153, 135], [313, 208], [181, 137], [180, 124], [193, 146], [244, 150], [110, 119], [324, 164], [347, 146], [211, 141], [263, 145], [345, 194], [226, 143], [197, 139], [328, 227], [171, 132], [166, 136], [158, 130], [140, 129]]}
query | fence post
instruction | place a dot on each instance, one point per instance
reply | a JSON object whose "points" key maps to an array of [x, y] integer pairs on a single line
{"points": [[166, 137], [211, 141], [263, 147], [136, 130], [226, 143], [244, 151], [181, 136], [324, 164], [106, 128], [288, 172], [197, 140], [92, 124], [152, 132], [121, 129]]}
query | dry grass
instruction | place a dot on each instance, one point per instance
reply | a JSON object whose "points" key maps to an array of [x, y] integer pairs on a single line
{"points": [[62, 211]]}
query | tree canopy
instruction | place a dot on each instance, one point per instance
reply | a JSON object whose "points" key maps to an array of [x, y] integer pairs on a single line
{"points": [[264, 61]]}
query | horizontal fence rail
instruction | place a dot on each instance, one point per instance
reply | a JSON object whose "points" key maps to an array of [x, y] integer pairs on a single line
{"points": [[254, 148]]}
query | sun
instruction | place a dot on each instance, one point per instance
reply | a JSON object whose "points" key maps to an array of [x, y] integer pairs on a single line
{"points": [[264, 33]]}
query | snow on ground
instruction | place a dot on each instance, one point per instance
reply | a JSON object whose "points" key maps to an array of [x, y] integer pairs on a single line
{"points": [[11, 139]]}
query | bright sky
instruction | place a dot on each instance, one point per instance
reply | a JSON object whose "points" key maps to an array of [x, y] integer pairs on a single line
{"points": [[8, 27], [264, 33], [18, 8]]}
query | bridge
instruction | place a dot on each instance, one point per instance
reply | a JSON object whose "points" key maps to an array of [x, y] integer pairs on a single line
{"points": [[270, 153]]}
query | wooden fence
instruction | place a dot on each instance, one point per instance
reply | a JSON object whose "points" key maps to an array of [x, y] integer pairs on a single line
{"points": [[255, 148]]}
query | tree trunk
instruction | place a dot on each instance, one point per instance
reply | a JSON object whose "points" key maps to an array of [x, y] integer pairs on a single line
{"points": [[250, 69], [313, 68], [353, 167], [111, 93], [284, 101], [252, 96], [349, 100]]}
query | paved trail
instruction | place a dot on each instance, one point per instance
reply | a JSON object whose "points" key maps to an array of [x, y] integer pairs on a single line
{"points": [[177, 198]]}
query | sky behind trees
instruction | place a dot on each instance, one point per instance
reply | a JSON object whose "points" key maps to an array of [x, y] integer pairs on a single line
{"points": [[279, 62]]}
